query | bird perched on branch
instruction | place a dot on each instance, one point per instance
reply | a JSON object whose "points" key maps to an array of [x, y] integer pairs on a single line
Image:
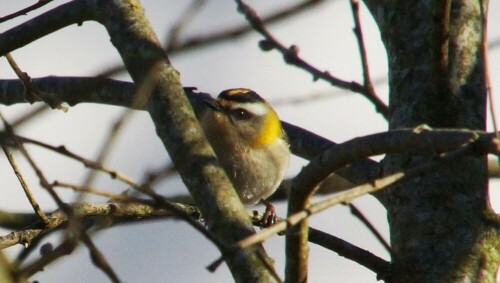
{"points": [[246, 135]]}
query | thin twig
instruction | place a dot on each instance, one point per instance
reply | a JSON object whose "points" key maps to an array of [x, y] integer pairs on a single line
{"points": [[25, 11], [140, 98], [118, 211], [367, 81], [346, 196], [86, 162], [154, 176], [32, 93], [45, 184], [230, 33], [302, 99], [65, 248], [90, 190], [233, 32], [122, 211], [43, 181], [98, 258], [187, 16], [343, 248], [24, 185], [290, 55], [486, 68], [105, 149], [359, 214], [33, 113], [180, 213]]}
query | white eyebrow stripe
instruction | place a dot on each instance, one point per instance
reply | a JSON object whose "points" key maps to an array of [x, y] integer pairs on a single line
{"points": [[256, 108]]}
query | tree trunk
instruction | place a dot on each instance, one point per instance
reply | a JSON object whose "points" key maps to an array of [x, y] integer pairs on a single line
{"points": [[439, 223]]}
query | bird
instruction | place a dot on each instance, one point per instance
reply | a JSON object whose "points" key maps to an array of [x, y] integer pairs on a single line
{"points": [[248, 139]]}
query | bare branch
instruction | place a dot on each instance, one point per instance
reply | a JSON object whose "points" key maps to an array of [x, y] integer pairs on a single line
{"points": [[486, 68], [86, 162], [24, 185], [140, 65], [295, 220], [25, 11], [43, 181], [180, 132], [187, 16], [319, 168], [74, 12], [89, 190], [74, 90], [290, 55], [17, 221], [31, 115], [75, 228], [98, 258], [381, 267], [31, 93], [231, 33], [118, 211], [65, 248], [220, 36], [367, 81], [356, 212]]}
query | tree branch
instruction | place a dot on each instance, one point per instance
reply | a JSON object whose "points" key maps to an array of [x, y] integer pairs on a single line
{"points": [[119, 212], [235, 32], [148, 65], [376, 264], [294, 222], [75, 90], [24, 185], [177, 127], [367, 81], [320, 167], [74, 12], [290, 55], [24, 11]]}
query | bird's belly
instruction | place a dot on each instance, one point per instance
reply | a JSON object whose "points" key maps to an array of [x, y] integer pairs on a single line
{"points": [[255, 177]]}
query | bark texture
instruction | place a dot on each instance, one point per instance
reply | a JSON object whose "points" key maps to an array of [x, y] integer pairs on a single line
{"points": [[439, 224], [178, 128]]}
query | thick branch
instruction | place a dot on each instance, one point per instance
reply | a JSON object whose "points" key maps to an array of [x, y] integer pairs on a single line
{"points": [[75, 90], [119, 212], [400, 141], [175, 122], [74, 12], [177, 127]]}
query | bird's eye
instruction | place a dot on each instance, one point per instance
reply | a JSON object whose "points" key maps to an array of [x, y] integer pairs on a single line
{"points": [[240, 114]]}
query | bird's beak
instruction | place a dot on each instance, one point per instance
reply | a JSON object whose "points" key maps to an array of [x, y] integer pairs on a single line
{"points": [[212, 103]]}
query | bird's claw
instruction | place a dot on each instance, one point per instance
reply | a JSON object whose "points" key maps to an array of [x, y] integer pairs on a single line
{"points": [[269, 218]]}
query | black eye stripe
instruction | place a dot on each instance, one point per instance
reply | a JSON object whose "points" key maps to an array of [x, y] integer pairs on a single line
{"points": [[240, 114]]}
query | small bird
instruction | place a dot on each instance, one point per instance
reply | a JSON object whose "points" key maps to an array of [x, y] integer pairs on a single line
{"points": [[248, 139]]}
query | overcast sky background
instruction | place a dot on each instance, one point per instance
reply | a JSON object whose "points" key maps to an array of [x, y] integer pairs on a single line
{"points": [[171, 251]]}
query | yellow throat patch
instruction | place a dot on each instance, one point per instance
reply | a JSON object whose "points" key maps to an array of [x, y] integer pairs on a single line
{"points": [[271, 130]]}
